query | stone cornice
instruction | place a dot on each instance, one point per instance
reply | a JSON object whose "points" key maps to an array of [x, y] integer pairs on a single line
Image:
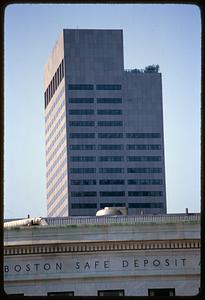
{"points": [[100, 246]]}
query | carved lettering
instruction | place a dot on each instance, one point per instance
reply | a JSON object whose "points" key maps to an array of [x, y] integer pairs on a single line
{"points": [[6, 269], [125, 263], [106, 264], [156, 263]]}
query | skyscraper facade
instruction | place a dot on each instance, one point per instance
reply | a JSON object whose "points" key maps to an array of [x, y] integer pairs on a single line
{"points": [[104, 128]]}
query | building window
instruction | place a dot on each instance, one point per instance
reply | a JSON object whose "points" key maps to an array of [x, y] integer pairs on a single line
{"points": [[83, 182], [60, 293], [81, 123], [81, 111], [112, 194], [109, 112], [143, 147], [111, 170], [81, 100], [109, 100], [80, 87], [146, 205], [111, 181], [144, 170], [111, 158], [84, 194], [110, 135], [108, 87], [110, 123], [145, 194], [107, 204], [82, 147], [83, 205], [80, 135], [161, 292], [82, 158], [143, 158], [82, 170], [110, 147], [111, 293], [143, 135], [144, 181]]}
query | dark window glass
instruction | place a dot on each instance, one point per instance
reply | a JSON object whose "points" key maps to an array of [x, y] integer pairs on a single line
{"points": [[111, 170], [161, 292], [82, 158], [81, 123], [81, 111], [83, 205], [110, 123], [111, 158], [110, 147], [80, 86], [112, 194], [111, 293], [108, 86], [82, 135], [84, 194], [143, 135], [143, 158], [81, 100], [111, 181], [107, 204], [60, 293], [82, 147], [110, 135], [146, 205], [109, 111], [143, 147], [145, 194], [145, 181], [83, 182], [82, 170], [109, 100], [144, 170]]}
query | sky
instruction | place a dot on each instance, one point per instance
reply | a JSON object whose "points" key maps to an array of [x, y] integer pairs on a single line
{"points": [[168, 35]]}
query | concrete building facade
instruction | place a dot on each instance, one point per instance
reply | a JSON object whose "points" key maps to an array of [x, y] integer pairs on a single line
{"points": [[96, 256], [104, 128]]}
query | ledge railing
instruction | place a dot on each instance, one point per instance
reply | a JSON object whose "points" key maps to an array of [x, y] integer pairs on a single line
{"points": [[125, 219]]}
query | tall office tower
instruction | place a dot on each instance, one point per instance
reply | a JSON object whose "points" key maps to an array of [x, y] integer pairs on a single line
{"points": [[104, 128]]}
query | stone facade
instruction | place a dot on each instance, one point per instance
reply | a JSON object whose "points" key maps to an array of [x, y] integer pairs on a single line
{"points": [[130, 254]]}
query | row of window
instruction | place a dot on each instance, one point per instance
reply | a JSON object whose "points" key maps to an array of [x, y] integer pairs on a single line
{"points": [[59, 169], [117, 182], [117, 194], [92, 123], [130, 205], [91, 87], [114, 170], [114, 135], [99, 100], [55, 128], [114, 158], [59, 203], [55, 150], [115, 147], [55, 186], [56, 101], [92, 112], [59, 192], [120, 292], [54, 83], [57, 113], [57, 159], [56, 138]]}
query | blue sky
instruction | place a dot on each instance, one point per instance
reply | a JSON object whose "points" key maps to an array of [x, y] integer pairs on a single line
{"points": [[168, 35]]}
